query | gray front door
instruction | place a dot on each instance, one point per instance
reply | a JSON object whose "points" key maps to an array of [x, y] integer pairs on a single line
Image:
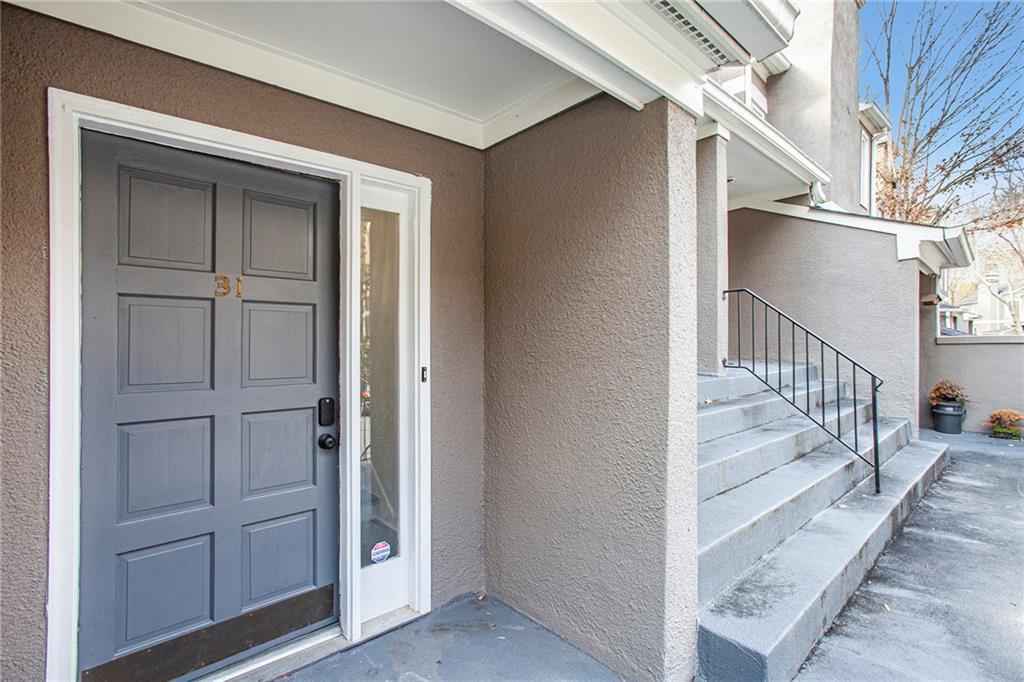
{"points": [[209, 336]]}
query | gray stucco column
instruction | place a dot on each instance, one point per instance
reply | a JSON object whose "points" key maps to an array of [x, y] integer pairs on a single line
{"points": [[591, 458], [712, 253]]}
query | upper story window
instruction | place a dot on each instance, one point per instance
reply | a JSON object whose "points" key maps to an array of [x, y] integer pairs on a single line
{"points": [[867, 171], [874, 131]]}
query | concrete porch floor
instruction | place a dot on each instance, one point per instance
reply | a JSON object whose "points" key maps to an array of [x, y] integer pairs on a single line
{"points": [[946, 599], [465, 640]]}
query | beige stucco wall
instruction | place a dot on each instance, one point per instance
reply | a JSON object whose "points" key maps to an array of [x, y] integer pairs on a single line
{"points": [[591, 355], [815, 103], [845, 285], [40, 52], [991, 370], [712, 254]]}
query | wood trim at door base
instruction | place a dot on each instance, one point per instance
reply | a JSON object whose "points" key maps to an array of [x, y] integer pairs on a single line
{"points": [[206, 646]]}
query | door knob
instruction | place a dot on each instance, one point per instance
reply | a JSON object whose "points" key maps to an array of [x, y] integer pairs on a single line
{"points": [[327, 441]]}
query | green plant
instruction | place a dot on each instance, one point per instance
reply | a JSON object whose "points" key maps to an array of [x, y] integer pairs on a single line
{"points": [[1004, 423], [1006, 419], [1007, 432], [947, 392]]}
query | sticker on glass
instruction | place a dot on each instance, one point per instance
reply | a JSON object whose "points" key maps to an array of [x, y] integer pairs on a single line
{"points": [[380, 552]]}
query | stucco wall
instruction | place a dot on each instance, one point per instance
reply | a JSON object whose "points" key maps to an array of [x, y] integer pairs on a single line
{"points": [[590, 355], [40, 52], [815, 102], [712, 254], [991, 370], [845, 285]]}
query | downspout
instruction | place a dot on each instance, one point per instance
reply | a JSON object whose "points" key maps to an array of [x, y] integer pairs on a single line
{"points": [[816, 193]]}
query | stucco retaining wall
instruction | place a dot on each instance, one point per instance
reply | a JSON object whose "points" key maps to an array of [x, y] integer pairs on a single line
{"points": [[39, 52], [591, 359], [991, 370], [845, 285]]}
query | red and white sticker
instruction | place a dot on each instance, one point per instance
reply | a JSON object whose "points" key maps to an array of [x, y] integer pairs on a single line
{"points": [[380, 552]]}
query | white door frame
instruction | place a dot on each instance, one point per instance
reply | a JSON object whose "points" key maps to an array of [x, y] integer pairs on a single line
{"points": [[68, 114]]}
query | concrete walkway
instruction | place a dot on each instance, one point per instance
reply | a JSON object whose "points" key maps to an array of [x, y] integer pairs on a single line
{"points": [[466, 640], [946, 599]]}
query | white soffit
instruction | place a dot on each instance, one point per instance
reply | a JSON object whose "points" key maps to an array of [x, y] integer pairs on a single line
{"points": [[753, 174], [426, 65], [765, 164]]}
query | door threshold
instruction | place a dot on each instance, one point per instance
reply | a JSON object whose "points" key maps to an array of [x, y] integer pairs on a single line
{"points": [[308, 649]]}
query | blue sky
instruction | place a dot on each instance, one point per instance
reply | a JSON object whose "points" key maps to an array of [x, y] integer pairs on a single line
{"points": [[907, 13]]}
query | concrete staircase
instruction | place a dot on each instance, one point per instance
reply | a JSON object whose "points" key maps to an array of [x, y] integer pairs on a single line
{"points": [[788, 521]]}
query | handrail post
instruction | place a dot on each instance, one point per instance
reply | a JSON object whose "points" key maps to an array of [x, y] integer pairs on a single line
{"points": [[874, 430]]}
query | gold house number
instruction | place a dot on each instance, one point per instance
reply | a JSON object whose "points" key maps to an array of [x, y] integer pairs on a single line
{"points": [[223, 286]]}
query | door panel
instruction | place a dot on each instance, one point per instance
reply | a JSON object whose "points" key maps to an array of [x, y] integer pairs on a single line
{"points": [[204, 494]]}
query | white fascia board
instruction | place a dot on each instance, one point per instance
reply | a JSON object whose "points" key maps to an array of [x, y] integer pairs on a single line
{"points": [[724, 108], [536, 33], [951, 250], [608, 29]]}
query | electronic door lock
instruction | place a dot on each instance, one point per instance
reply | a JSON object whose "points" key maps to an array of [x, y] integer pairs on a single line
{"points": [[327, 442]]}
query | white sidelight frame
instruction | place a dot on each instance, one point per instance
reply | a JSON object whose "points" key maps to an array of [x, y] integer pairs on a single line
{"points": [[69, 113], [394, 583]]}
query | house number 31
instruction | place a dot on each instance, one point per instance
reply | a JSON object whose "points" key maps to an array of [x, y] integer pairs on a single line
{"points": [[223, 286]]}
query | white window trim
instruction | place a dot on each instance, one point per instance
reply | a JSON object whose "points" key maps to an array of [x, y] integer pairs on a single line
{"points": [[69, 113], [867, 172]]}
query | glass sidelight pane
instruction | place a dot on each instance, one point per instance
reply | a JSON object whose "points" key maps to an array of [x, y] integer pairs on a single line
{"points": [[379, 459]]}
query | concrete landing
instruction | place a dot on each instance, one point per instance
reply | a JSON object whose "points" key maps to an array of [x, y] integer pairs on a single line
{"points": [[946, 599], [466, 640]]}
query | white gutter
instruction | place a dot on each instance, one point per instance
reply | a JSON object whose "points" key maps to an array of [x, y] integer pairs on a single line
{"points": [[913, 241], [763, 27]]}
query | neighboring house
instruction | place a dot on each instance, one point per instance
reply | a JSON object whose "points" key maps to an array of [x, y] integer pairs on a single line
{"points": [[991, 314], [956, 320], [551, 199]]}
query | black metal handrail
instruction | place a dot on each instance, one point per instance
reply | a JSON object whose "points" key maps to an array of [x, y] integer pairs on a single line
{"points": [[758, 304]]}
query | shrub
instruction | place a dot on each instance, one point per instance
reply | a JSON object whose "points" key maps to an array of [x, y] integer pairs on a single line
{"points": [[1005, 419], [947, 391]]}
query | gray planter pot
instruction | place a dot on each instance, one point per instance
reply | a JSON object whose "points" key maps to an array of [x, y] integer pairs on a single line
{"points": [[949, 417]]}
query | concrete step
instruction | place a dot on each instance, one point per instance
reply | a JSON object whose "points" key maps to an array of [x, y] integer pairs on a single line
{"points": [[769, 620], [738, 527], [740, 382], [732, 415], [730, 461]]}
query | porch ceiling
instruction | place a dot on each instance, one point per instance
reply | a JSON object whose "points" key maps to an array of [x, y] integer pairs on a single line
{"points": [[427, 51], [472, 71], [753, 174], [426, 65]]}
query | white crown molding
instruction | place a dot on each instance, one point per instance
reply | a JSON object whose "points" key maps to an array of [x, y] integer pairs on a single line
{"points": [[538, 107], [165, 30]]}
